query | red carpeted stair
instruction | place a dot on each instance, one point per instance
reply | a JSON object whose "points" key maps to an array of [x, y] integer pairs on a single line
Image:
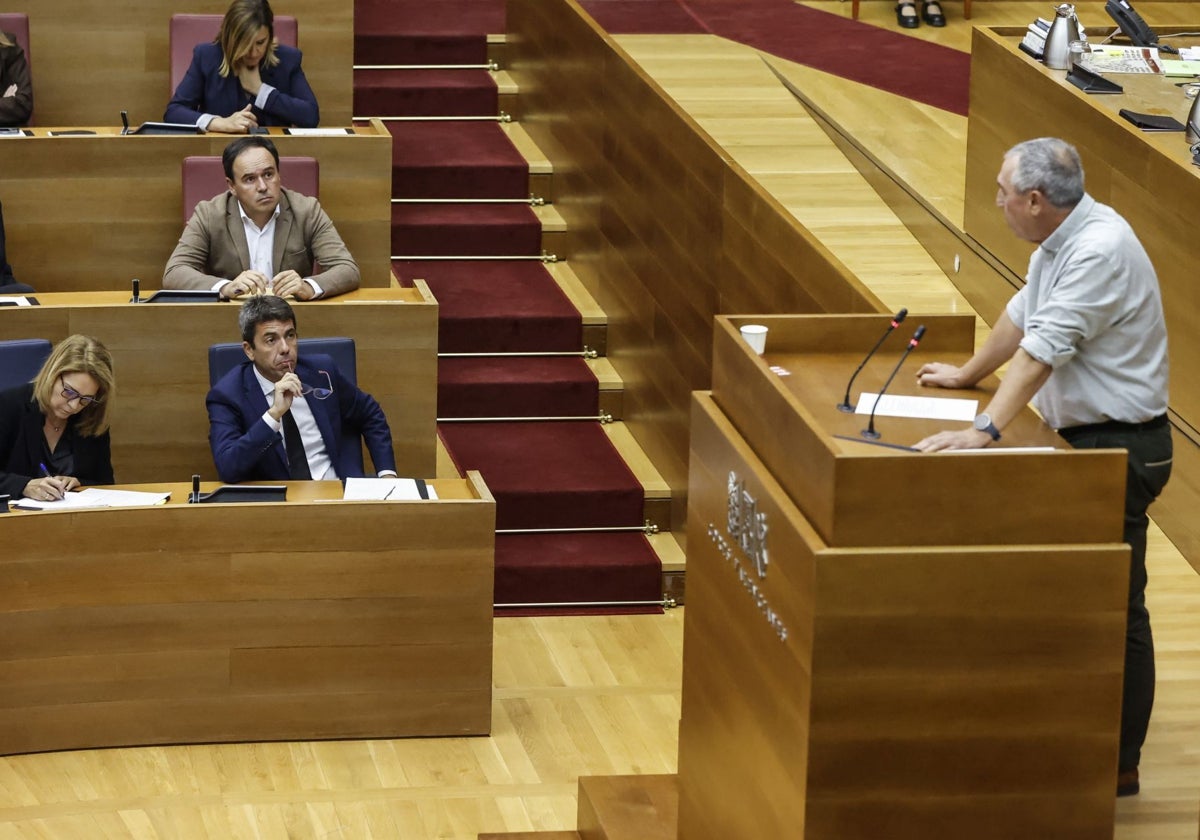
{"points": [[546, 474], [426, 93], [497, 306], [468, 230], [517, 386], [474, 160]]}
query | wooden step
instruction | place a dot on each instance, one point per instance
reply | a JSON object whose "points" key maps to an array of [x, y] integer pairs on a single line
{"points": [[541, 170], [657, 491], [628, 807], [595, 319], [612, 389], [555, 234], [533, 835]]}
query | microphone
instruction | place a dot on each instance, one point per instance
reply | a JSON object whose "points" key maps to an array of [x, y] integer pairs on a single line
{"points": [[124, 122], [137, 286], [194, 496], [870, 432], [897, 320]]}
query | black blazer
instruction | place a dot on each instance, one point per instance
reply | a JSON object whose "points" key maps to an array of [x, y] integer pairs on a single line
{"points": [[21, 444]]}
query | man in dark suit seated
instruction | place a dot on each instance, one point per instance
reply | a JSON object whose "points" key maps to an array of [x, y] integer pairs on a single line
{"points": [[308, 399], [259, 238]]}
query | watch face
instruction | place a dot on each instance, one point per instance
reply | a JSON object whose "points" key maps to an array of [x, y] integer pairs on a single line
{"points": [[982, 421]]}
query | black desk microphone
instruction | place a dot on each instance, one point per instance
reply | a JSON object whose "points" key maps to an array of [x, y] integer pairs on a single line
{"points": [[844, 405], [870, 432]]}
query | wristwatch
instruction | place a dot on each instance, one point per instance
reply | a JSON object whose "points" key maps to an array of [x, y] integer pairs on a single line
{"points": [[983, 423]]}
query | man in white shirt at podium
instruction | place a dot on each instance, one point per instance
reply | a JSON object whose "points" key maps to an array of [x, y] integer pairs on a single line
{"points": [[1086, 342]]}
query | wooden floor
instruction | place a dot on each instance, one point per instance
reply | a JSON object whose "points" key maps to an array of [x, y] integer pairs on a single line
{"points": [[585, 696]]}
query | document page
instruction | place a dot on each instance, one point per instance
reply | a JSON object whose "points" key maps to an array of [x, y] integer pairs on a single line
{"points": [[923, 408], [387, 489], [96, 497]]}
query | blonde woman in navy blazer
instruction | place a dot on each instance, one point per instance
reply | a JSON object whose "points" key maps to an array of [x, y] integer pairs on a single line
{"points": [[245, 79]]}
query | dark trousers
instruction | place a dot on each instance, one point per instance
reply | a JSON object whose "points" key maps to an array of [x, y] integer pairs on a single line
{"points": [[1149, 446]]}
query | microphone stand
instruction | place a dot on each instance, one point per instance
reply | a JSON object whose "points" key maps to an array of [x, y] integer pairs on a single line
{"points": [[844, 405], [870, 432]]}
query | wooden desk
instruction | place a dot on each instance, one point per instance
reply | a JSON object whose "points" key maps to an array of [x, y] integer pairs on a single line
{"points": [[256, 622], [160, 352], [89, 213], [91, 60], [932, 645]]}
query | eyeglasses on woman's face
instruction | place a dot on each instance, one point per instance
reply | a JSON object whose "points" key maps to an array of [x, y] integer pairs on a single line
{"points": [[71, 395]]}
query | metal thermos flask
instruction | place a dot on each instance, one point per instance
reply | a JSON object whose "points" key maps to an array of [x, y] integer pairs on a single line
{"points": [[1063, 31]]}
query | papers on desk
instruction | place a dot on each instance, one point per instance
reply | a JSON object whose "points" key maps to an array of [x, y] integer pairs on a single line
{"points": [[11, 132], [1189, 53], [96, 497], [387, 489], [923, 408], [318, 132], [1123, 60], [14, 300], [1174, 67]]}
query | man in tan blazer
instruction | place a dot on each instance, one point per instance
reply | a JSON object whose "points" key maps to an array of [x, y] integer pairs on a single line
{"points": [[259, 238]]}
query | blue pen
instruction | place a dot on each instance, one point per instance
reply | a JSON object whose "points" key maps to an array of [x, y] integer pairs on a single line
{"points": [[46, 472]]}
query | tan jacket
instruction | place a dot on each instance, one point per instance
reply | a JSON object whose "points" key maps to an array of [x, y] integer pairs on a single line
{"points": [[213, 246]]}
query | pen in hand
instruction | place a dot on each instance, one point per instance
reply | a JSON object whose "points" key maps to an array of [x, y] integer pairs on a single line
{"points": [[54, 485]]}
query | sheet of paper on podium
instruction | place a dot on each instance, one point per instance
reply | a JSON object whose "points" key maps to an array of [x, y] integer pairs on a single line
{"points": [[922, 408], [387, 489]]}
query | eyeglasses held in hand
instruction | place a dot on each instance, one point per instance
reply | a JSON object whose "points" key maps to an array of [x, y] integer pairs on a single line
{"points": [[318, 393], [70, 394]]}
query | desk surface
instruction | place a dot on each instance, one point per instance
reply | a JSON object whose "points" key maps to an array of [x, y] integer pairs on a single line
{"points": [[88, 213], [252, 622]]}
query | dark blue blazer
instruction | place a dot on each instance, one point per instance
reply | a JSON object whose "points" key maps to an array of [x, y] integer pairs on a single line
{"points": [[204, 91], [21, 444], [247, 449]]}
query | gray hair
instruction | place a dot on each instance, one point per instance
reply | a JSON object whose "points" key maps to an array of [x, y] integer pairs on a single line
{"points": [[1050, 166], [259, 309]]}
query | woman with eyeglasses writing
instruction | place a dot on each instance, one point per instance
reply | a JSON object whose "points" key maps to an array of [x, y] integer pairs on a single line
{"points": [[54, 430]]}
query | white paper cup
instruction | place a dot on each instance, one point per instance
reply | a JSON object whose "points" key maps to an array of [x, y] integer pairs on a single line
{"points": [[756, 336]]}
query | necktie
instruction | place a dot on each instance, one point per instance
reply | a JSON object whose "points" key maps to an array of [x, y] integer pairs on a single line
{"points": [[297, 460]]}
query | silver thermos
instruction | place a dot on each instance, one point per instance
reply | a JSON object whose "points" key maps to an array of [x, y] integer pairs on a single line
{"points": [[1063, 31]]}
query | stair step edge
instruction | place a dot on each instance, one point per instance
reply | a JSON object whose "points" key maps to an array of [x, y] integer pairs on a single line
{"points": [[539, 163], [578, 294], [653, 484]]}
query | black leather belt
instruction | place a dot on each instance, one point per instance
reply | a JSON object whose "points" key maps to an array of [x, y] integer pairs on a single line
{"points": [[1115, 426]]}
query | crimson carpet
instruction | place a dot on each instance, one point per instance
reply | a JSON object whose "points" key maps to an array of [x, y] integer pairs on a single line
{"points": [[916, 69], [497, 306], [465, 230], [544, 475], [517, 386], [549, 475], [475, 160]]}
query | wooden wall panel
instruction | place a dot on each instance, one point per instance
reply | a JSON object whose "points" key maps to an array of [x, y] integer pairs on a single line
{"points": [[160, 352], [667, 231], [91, 213], [385, 630], [93, 60]]}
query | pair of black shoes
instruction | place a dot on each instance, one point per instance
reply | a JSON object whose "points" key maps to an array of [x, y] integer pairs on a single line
{"points": [[931, 13]]}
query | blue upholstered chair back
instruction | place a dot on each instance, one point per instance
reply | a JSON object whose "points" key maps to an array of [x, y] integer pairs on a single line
{"points": [[21, 359], [224, 357]]}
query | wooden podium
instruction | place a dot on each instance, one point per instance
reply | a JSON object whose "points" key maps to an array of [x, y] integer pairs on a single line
{"points": [[887, 644]]}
